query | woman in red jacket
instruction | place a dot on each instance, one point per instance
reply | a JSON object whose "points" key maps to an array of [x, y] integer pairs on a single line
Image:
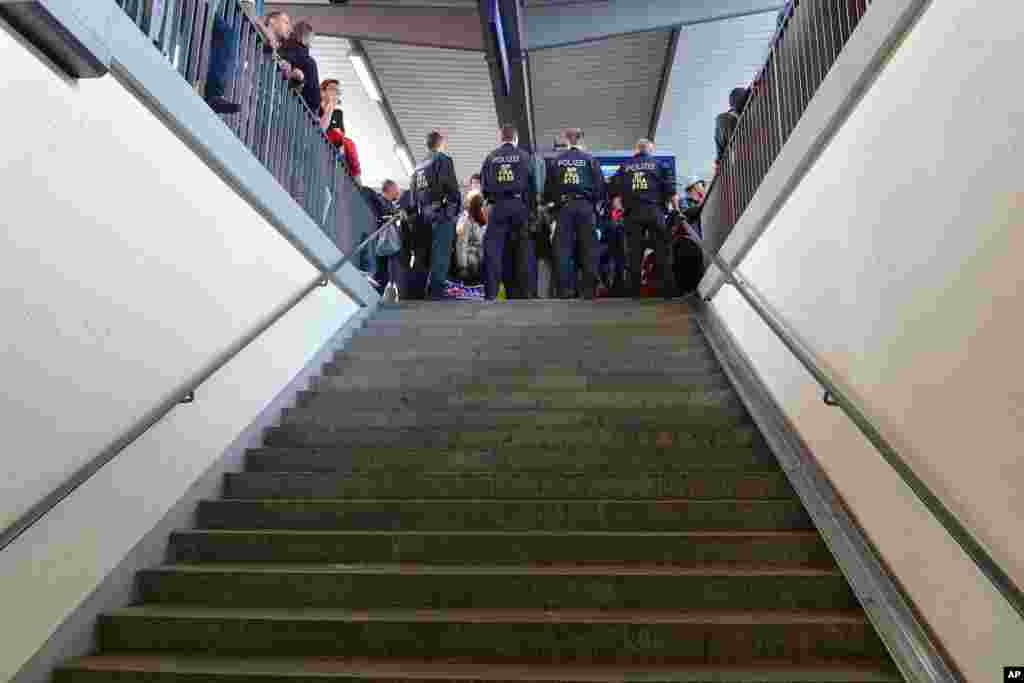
{"points": [[335, 127]]}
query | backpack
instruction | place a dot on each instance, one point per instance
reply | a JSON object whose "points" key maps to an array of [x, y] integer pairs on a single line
{"points": [[389, 241]]}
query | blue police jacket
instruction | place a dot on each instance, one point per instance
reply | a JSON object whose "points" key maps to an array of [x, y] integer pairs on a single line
{"points": [[434, 182], [642, 180], [574, 172], [508, 171]]}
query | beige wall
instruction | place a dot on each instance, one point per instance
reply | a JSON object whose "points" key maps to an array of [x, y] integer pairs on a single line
{"points": [[128, 265], [898, 261]]}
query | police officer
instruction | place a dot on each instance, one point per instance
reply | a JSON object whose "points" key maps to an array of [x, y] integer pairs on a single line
{"points": [[645, 187], [437, 200], [575, 183], [509, 184]]}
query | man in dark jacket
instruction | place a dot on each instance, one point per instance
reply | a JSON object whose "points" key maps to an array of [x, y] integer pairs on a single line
{"points": [[509, 184], [646, 187], [295, 51], [576, 184], [725, 123], [438, 201]]}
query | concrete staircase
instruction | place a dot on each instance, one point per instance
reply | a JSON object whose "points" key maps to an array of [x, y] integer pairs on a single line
{"points": [[556, 491]]}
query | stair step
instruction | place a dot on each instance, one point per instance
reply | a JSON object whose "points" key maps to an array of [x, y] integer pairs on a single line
{"points": [[671, 453], [169, 668], [621, 435], [448, 587], [626, 339], [653, 384], [707, 412], [505, 515], [575, 483], [466, 319], [523, 375], [585, 635], [776, 548], [531, 346], [492, 400], [515, 361]]}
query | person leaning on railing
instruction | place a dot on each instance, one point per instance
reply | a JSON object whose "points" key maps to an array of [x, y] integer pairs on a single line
{"points": [[305, 74], [331, 115]]}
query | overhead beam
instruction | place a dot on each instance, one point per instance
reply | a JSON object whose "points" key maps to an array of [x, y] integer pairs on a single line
{"points": [[451, 27], [568, 24], [666, 74], [511, 100]]}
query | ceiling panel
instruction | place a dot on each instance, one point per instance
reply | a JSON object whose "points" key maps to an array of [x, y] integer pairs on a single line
{"points": [[711, 59], [606, 87], [364, 121], [438, 89]]}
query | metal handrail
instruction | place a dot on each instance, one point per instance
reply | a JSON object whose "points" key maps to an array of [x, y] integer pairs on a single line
{"points": [[834, 395], [186, 395]]}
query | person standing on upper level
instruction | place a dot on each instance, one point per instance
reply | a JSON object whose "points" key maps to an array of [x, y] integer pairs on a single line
{"points": [[645, 187], [726, 122], [438, 201], [295, 51], [575, 183], [509, 184]]}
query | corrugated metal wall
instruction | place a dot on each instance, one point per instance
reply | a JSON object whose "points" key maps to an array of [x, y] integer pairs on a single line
{"points": [[606, 87], [711, 59], [433, 88], [364, 122]]}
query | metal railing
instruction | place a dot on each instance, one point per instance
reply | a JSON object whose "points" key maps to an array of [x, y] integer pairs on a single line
{"points": [[805, 47], [275, 122]]}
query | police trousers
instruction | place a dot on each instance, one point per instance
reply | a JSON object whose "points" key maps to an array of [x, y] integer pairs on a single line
{"points": [[647, 220], [506, 230], [575, 233], [442, 239]]}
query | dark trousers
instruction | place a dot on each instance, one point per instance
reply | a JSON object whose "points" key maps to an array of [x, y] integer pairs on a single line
{"points": [[416, 243], [647, 218], [575, 233], [223, 57], [689, 265], [506, 227], [614, 264], [442, 237], [389, 269]]}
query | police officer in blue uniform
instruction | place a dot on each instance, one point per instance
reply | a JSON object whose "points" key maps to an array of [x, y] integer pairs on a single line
{"points": [[575, 184], [508, 180], [645, 187], [438, 201]]}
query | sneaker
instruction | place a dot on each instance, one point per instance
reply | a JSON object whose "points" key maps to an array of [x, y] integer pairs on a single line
{"points": [[390, 294], [222, 106]]}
